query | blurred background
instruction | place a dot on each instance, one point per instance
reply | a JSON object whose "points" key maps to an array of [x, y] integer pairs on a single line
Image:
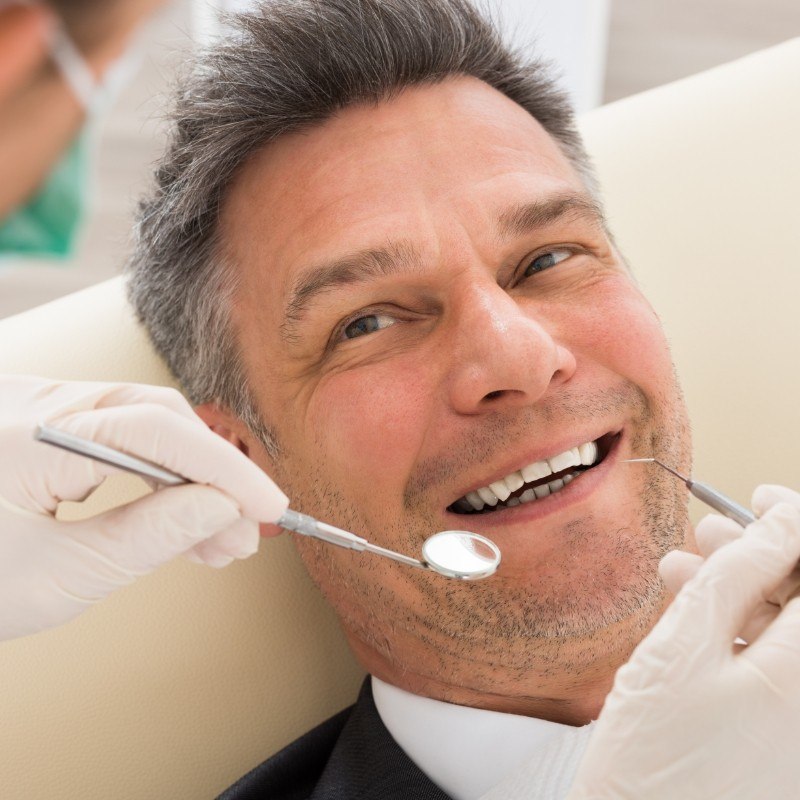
{"points": [[605, 50]]}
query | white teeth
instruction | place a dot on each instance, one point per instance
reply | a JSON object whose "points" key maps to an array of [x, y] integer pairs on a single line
{"points": [[539, 469], [474, 499], [514, 481], [500, 489], [588, 453], [571, 458], [488, 496]]}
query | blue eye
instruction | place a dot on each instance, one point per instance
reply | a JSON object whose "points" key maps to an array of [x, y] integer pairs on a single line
{"points": [[367, 324], [546, 260]]}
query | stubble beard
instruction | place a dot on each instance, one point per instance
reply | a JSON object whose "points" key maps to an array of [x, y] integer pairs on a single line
{"points": [[557, 625]]}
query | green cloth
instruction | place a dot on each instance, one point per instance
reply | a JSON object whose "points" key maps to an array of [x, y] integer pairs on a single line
{"points": [[48, 225]]}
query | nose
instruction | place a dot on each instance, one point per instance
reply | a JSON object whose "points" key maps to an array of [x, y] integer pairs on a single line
{"points": [[503, 354]]}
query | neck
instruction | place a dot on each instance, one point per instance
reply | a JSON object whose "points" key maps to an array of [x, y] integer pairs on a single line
{"points": [[568, 685], [569, 699]]}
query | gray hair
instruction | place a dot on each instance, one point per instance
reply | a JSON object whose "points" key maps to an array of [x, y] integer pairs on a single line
{"points": [[289, 65]]}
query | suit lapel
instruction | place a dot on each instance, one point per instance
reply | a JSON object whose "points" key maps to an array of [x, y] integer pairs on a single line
{"points": [[367, 763]]}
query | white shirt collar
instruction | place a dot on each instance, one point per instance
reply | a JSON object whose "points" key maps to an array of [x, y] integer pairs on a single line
{"points": [[464, 751]]}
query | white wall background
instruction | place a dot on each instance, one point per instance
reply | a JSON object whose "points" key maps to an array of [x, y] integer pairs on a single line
{"points": [[573, 34]]}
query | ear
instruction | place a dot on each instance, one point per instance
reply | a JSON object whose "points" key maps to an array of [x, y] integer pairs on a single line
{"points": [[224, 424], [233, 430]]}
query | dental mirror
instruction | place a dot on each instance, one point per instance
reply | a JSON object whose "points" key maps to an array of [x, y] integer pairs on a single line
{"points": [[454, 554], [461, 554]]}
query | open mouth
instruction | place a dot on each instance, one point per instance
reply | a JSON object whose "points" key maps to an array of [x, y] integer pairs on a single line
{"points": [[535, 481]]}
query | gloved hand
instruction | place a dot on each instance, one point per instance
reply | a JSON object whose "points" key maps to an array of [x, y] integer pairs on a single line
{"points": [[690, 716], [714, 531], [50, 570]]}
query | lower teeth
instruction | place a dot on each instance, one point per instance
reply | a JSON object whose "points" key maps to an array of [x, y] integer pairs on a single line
{"points": [[528, 496]]}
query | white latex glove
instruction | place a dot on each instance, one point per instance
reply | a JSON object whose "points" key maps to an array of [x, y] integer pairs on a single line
{"points": [[50, 570], [691, 716], [714, 531]]}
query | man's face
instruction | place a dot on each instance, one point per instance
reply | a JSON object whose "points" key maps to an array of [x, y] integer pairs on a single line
{"points": [[429, 304]]}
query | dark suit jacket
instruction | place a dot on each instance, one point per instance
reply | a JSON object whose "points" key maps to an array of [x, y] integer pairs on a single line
{"points": [[350, 757]]}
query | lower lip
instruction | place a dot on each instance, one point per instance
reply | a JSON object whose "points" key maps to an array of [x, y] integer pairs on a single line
{"points": [[575, 491]]}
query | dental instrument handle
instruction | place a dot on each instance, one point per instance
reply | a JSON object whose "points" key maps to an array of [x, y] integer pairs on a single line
{"points": [[308, 526], [721, 503], [411, 562], [107, 455], [291, 520]]}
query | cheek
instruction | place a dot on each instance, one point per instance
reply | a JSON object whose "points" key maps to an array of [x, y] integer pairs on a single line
{"points": [[619, 329], [371, 422]]}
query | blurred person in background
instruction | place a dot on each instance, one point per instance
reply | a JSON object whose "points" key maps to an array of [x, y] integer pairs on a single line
{"points": [[60, 64]]}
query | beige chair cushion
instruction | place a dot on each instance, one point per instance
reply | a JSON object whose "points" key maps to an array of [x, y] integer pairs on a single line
{"points": [[180, 684], [702, 183]]}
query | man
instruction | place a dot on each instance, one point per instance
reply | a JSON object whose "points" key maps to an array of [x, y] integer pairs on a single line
{"points": [[377, 262], [402, 293]]}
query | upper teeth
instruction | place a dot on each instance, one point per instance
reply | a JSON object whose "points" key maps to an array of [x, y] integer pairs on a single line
{"points": [[584, 455]]}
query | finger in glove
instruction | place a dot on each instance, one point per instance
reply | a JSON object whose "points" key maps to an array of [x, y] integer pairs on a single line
{"points": [[767, 495], [715, 531], [155, 529], [239, 540], [677, 567]]}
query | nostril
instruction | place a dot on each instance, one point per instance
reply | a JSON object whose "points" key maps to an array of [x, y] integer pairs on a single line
{"points": [[499, 394]]}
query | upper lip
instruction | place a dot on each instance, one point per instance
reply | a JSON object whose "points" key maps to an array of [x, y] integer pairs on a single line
{"points": [[541, 453]]}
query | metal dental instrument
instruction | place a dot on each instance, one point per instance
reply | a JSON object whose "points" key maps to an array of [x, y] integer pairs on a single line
{"points": [[455, 554], [707, 494]]}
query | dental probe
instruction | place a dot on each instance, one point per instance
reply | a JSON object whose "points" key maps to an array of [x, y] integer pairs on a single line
{"points": [[707, 494], [455, 554]]}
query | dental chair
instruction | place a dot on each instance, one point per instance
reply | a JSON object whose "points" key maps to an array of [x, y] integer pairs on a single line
{"points": [[181, 683]]}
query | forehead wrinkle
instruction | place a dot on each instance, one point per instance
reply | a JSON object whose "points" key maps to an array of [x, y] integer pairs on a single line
{"points": [[357, 267], [524, 218]]}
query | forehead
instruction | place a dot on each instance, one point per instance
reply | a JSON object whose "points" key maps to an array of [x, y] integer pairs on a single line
{"points": [[434, 155]]}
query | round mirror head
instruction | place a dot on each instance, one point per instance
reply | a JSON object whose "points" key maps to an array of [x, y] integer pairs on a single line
{"points": [[461, 554]]}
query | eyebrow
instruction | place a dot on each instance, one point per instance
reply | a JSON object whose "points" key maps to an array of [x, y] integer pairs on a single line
{"points": [[524, 218], [356, 267], [401, 256]]}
